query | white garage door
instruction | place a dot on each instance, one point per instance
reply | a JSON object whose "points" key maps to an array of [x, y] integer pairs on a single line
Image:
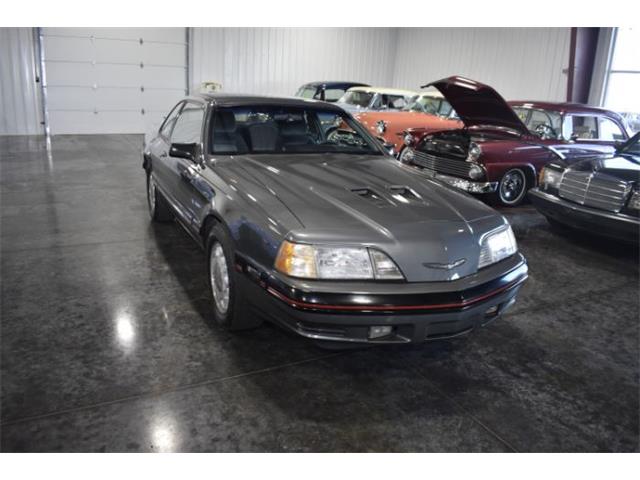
{"points": [[112, 80]]}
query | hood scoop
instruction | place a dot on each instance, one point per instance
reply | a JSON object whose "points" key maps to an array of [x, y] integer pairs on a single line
{"points": [[375, 198]]}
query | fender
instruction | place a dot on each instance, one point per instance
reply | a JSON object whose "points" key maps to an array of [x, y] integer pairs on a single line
{"points": [[495, 171]]}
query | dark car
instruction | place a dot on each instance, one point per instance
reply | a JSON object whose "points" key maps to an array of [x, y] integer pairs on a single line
{"points": [[599, 194], [326, 91], [326, 235], [496, 153]]}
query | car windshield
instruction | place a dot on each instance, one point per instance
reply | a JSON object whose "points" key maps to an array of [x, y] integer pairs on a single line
{"points": [[632, 147], [307, 92], [266, 129], [544, 123], [361, 99], [429, 104]]}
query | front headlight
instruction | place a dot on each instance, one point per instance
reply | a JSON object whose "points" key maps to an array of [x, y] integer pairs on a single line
{"points": [[550, 178], [497, 246], [408, 139], [381, 127], [634, 201], [407, 155], [335, 263], [474, 152]]}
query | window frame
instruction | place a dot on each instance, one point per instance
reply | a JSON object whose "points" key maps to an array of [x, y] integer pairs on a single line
{"points": [[178, 110], [201, 105]]}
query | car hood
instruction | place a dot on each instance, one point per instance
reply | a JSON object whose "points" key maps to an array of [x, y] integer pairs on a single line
{"points": [[478, 105], [623, 167], [345, 199]]}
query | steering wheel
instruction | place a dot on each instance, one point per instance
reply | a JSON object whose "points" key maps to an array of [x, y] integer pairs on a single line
{"points": [[545, 131]]}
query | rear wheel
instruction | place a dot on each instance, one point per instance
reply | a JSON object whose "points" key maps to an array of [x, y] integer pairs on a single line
{"points": [[512, 188], [228, 305], [158, 209]]}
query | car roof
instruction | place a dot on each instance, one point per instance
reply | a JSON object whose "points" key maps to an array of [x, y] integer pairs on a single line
{"points": [[389, 91], [234, 99], [335, 84], [562, 107]]}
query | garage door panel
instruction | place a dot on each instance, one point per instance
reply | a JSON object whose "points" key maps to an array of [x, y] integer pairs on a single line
{"points": [[70, 98], [118, 75], [123, 99], [88, 122], [163, 77], [68, 49], [164, 54], [118, 51], [69, 74]]}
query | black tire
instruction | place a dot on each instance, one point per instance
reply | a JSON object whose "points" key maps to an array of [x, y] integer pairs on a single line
{"points": [[159, 210], [235, 316], [512, 188]]}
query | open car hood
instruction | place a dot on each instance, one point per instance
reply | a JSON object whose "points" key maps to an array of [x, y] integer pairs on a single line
{"points": [[478, 105]]}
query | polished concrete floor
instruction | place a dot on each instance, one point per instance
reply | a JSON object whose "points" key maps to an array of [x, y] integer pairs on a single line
{"points": [[108, 342]]}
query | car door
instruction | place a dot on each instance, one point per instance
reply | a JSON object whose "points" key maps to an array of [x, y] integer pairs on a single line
{"points": [[188, 131]]}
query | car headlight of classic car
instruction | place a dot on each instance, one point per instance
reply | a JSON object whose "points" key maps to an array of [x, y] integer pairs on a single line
{"points": [[381, 126], [474, 152], [408, 139], [634, 201], [496, 246], [550, 177], [335, 263]]}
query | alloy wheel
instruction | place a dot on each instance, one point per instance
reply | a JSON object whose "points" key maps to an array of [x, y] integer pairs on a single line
{"points": [[219, 277]]}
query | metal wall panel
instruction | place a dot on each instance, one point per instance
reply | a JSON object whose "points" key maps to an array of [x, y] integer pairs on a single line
{"points": [[521, 63], [20, 107], [277, 61], [112, 80]]}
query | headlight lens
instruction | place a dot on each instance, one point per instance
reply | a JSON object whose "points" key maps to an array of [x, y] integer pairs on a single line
{"points": [[550, 177], [381, 126], [474, 152], [407, 155], [634, 201], [408, 139], [497, 246], [335, 263], [476, 172]]}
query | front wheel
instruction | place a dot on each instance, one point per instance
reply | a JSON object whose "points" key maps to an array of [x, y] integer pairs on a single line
{"points": [[512, 187], [228, 306]]}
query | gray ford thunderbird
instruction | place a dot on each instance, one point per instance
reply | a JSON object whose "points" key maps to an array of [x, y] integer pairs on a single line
{"points": [[306, 221]]}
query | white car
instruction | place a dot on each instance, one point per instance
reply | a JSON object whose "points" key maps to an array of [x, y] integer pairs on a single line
{"points": [[361, 99]]}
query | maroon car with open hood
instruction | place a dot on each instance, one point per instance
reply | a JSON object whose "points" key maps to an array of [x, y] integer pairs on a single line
{"points": [[495, 152]]}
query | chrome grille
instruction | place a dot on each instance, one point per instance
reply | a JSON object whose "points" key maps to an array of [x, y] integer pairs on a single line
{"points": [[448, 166], [594, 189]]}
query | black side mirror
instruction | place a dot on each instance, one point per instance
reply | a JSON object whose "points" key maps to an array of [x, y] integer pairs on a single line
{"points": [[183, 150]]}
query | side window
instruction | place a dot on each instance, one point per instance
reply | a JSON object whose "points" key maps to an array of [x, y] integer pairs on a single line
{"points": [[396, 101], [333, 94], [170, 121], [188, 127], [609, 130], [583, 127]]}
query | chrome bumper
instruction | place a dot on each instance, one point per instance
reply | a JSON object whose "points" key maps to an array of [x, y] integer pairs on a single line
{"points": [[467, 185]]}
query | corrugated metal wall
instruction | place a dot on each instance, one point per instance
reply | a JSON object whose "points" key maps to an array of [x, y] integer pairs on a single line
{"points": [[277, 61], [518, 62], [521, 63], [20, 107]]}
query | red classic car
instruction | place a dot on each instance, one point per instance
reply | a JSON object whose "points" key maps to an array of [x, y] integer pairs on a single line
{"points": [[428, 111], [501, 149]]}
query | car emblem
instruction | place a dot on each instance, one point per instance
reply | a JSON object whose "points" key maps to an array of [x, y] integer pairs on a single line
{"points": [[445, 266]]}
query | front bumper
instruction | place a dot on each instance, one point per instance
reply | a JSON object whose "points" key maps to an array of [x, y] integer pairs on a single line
{"points": [[415, 312], [463, 183], [599, 222]]}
